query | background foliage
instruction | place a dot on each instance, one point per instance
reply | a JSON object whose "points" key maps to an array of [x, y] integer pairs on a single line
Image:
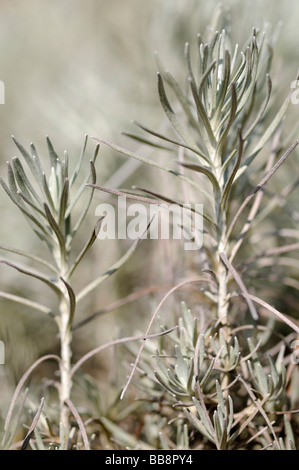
{"points": [[71, 68]]}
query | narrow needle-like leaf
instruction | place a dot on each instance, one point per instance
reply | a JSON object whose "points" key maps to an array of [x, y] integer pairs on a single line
{"points": [[242, 286], [94, 284], [88, 245], [55, 229], [72, 301], [51, 283], [26, 302]]}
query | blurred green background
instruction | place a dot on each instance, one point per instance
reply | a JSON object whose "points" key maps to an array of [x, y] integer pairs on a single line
{"points": [[72, 67]]}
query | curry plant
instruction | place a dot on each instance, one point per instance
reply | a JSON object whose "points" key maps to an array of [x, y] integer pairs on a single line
{"points": [[221, 121], [225, 395], [221, 133], [48, 200], [209, 380]]}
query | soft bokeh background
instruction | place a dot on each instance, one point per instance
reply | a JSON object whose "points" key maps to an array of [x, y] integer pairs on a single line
{"points": [[72, 67]]}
